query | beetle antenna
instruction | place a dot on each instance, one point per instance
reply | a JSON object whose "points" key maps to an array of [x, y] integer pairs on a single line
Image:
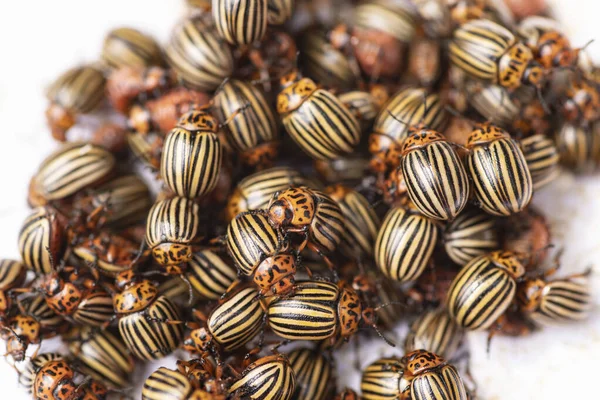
{"points": [[390, 303], [380, 334], [396, 118]]}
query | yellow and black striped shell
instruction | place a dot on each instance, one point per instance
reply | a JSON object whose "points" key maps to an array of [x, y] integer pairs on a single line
{"points": [[29, 370], [472, 234], [41, 240], [209, 274], [167, 384], [393, 18], [542, 159], [313, 374], [198, 55], [484, 289], [240, 22], [12, 274], [579, 147], [268, 378], [192, 156], [404, 244], [128, 47], [498, 170], [382, 379], [78, 90], [436, 332], [279, 11]]}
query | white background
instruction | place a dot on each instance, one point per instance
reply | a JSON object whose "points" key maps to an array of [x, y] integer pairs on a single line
{"points": [[39, 39]]}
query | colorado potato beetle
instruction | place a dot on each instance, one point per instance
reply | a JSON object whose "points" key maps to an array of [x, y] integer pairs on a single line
{"points": [[128, 47]]}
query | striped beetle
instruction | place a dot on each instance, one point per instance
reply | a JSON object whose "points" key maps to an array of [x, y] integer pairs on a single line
{"points": [[580, 104], [484, 289], [42, 239], [364, 105], [279, 11], [316, 119], [428, 376], [268, 378], [79, 90], [171, 231], [436, 332], [147, 148], [240, 22], [542, 158], [149, 323], [68, 170], [255, 191], [491, 53], [313, 373], [406, 108], [361, 221], [253, 132], [382, 379], [192, 155], [12, 275], [128, 47], [471, 234], [101, 355], [404, 244], [198, 55], [501, 179], [434, 174], [579, 147]]}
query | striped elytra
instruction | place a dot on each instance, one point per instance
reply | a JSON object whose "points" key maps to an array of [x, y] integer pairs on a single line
{"points": [[78, 90], [472, 234], [128, 47], [240, 22], [251, 128], [147, 148], [38, 308], [408, 107], [362, 104], [434, 174], [70, 169], [147, 333], [251, 239], [166, 384], [436, 332], [430, 377], [557, 301], [103, 356], [209, 274], [542, 159], [94, 310], [484, 289], [492, 102], [316, 119], [198, 55], [171, 229], [268, 378], [396, 19], [498, 171], [12, 274], [404, 244], [237, 319], [192, 155], [31, 367], [41, 240], [382, 380], [361, 221], [255, 191], [313, 373], [490, 52], [579, 147], [300, 209], [279, 11]]}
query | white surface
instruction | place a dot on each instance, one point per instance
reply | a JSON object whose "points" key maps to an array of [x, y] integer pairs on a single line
{"points": [[39, 39]]}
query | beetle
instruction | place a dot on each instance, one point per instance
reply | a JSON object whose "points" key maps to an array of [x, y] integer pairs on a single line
{"points": [[406, 108], [579, 146], [12, 275], [491, 53], [311, 213], [313, 373], [498, 169], [240, 22], [316, 119], [542, 159], [484, 289], [269, 377], [101, 355], [234, 322], [209, 274], [279, 11], [68, 170], [255, 191], [129, 85], [471, 234], [580, 104], [20, 331], [436, 332], [147, 148], [192, 155], [363, 105], [55, 380], [76, 298], [528, 234], [553, 301], [319, 311], [428, 376], [404, 244], [149, 323], [381, 379], [198, 55], [361, 221], [347, 170], [79, 90], [171, 231], [128, 47], [42, 239], [493, 102], [434, 174], [31, 367], [253, 132]]}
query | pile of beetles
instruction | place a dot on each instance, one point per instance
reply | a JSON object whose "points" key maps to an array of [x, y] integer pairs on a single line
{"points": [[318, 178]]}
